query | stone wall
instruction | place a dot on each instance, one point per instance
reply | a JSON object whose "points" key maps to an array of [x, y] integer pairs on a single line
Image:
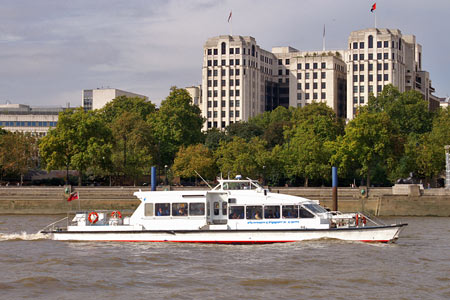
{"points": [[377, 201]]}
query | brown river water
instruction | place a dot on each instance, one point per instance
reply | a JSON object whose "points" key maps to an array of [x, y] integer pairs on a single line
{"points": [[417, 266]]}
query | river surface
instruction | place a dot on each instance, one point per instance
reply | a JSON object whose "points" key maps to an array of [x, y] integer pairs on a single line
{"points": [[417, 266]]}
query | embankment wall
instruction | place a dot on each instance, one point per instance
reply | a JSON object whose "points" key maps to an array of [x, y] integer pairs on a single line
{"points": [[377, 201]]}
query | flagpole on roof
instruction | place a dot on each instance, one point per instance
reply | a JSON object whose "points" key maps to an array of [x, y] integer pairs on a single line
{"points": [[323, 38], [230, 21]]}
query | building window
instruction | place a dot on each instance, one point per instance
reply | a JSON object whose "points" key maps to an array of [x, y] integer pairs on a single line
{"points": [[231, 50], [231, 82], [288, 61], [361, 56], [237, 62], [355, 78], [355, 67], [209, 124], [209, 51], [355, 56], [323, 85], [238, 82], [287, 72], [231, 93], [323, 66], [215, 114], [379, 77], [299, 75], [209, 63], [307, 86], [370, 41], [237, 72], [231, 113], [379, 55], [237, 93], [231, 62], [323, 75], [386, 44], [314, 96], [355, 100], [361, 45], [231, 103], [379, 88], [370, 67], [306, 75], [238, 50], [223, 103], [386, 55], [299, 86], [355, 45], [215, 72], [299, 96], [307, 66], [215, 83], [299, 66], [370, 88], [370, 77], [361, 78], [280, 62], [209, 93], [314, 66], [386, 66], [280, 72], [379, 66], [379, 44], [223, 82], [361, 89], [361, 67], [355, 89], [370, 56], [215, 51], [307, 96], [215, 62], [315, 85], [224, 48], [315, 75], [237, 114], [323, 96], [386, 77], [238, 104], [361, 99], [224, 63], [215, 93]]}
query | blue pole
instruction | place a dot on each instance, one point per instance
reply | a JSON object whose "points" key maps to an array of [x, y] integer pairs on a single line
{"points": [[153, 178], [334, 178]]}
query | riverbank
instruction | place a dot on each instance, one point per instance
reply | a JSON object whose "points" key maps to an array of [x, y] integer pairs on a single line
{"points": [[376, 201]]}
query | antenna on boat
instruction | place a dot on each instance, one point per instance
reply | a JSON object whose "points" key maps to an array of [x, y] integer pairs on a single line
{"points": [[203, 179]]}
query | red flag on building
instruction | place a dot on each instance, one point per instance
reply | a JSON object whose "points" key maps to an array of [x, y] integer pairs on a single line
{"points": [[229, 17], [72, 196], [374, 6]]}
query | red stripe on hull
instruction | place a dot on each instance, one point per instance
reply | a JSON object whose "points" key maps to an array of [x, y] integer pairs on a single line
{"points": [[224, 242]]}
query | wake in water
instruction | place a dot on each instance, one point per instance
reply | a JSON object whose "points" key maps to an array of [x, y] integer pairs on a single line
{"points": [[23, 236]]}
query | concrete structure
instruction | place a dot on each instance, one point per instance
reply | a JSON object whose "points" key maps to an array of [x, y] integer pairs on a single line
{"points": [[241, 80], [23, 118], [378, 57], [196, 93], [97, 98]]}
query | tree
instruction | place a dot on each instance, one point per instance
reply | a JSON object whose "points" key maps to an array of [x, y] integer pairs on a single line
{"points": [[239, 157], [213, 137], [80, 140], [177, 123], [18, 153], [195, 158], [244, 130], [307, 151], [121, 104], [368, 142], [133, 145]]}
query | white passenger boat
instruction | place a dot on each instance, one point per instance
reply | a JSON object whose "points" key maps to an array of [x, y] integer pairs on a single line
{"points": [[235, 211]]}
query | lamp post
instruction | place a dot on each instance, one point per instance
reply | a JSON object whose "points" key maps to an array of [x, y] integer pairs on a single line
{"points": [[447, 167], [165, 175]]}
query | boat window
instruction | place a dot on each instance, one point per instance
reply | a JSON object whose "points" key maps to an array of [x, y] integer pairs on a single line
{"points": [[216, 208], [290, 211], [237, 186], [179, 209], [197, 209], [224, 208], [162, 209], [148, 209], [271, 211], [254, 212], [305, 213], [236, 212], [315, 208]]}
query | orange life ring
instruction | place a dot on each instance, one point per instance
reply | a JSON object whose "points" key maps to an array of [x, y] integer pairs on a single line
{"points": [[116, 214], [93, 220]]}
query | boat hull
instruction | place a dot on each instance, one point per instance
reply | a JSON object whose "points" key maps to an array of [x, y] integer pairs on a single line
{"points": [[383, 234]]}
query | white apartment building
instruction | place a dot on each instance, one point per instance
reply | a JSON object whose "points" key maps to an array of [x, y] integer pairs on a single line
{"points": [[97, 98], [241, 80], [377, 57], [196, 93], [235, 75], [23, 118]]}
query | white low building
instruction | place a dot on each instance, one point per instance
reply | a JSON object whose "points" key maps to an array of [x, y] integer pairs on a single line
{"points": [[97, 98]]}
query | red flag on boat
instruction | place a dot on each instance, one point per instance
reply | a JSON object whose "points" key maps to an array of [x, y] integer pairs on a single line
{"points": [[72, 196], [229, 17], [374, 6]]}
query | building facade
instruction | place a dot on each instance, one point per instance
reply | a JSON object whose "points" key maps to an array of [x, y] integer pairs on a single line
{"points": [[97, 98], [241, 80], [23, 118]]}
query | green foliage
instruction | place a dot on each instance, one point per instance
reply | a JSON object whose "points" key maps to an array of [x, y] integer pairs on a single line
{"points": [[213, 137], [121, 104], [18, 153], [368, 142], [80, 140], [195, 158], [239, 157], [244, 130], [177, 123]]}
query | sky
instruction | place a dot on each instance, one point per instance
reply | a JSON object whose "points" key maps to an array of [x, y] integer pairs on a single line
{"points": [[50, 50]]}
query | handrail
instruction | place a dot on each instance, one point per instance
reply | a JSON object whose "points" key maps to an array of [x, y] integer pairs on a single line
{"points": [[52, 224]]}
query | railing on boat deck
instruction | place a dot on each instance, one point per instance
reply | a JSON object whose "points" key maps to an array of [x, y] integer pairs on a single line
{"points": [[358, 219]]}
